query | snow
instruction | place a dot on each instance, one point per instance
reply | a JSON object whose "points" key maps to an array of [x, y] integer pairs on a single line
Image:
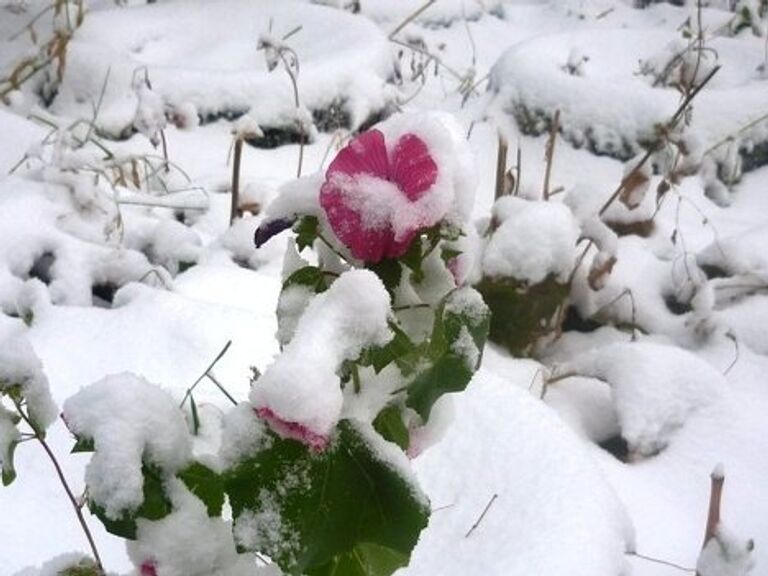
{"points": [[504, 442], [533, 240], [726, 555], [208, 59], [656, 389], [677, 330], [189, 543], [20, 367], [302, 386], [130, 422]]}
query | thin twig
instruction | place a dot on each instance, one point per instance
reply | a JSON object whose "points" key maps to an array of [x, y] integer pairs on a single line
{"points": [[219, 356], [501, 166], [63, 480], [411, 18], [218, 384], [550, 153], [480, 519], [235, 207], [669, 126], [659, 561]]}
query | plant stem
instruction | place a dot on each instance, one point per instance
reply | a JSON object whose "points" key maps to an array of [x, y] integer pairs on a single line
{"points": [[550, 153], [501, 166], [234, 210], [411, 18], [219, 356], [63, 480]]}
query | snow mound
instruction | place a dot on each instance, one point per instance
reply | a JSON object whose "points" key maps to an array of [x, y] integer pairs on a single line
{"points": [[608, 107], [202, 54], [554, 513], [655, 389], [534, 240], [129, 421], [443, 13]]}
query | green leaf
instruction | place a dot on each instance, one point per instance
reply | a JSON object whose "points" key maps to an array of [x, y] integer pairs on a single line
{"points": [[195, 415], [83, 444], [320, 507], [306, 230], [84, 567], [155, 507], [389, 423], [364, 560], [449, 369], [206, 484], [8, 472], [413, 259], [389, 272], [310, 276], [400, 347]]}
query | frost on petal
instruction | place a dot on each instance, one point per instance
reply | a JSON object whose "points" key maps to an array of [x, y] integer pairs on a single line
{"points": [[300, 393], [366, 243], [129, 421], [413, 169], [365, 154]]}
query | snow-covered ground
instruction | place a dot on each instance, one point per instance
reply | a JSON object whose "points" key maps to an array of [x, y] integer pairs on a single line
{"points": [[122, 264]]}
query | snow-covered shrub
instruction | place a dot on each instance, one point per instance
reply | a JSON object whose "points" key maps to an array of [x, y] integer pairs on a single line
{"points": [[528, 258]]}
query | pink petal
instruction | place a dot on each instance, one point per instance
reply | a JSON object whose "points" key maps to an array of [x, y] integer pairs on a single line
{"points": [[148, 568], [366, 244], [413, 169], [293, 430], [365, 154]]}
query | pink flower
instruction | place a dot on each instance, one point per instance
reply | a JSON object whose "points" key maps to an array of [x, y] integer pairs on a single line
{"points": [[292, 430], [148, 568], [371, 195]]}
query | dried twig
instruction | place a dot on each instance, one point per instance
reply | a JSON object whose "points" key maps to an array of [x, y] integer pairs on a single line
{"points": [[501, 166], [482, 515], [63, 480], [410, 18], [549, 155]]}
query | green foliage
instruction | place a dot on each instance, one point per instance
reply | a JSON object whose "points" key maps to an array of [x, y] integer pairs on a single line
{"points": [[521, 313], [310, 276], [85, 567], [336, 512], [8, 472], [307, 231], [448, 367], [154, 507], [389, 423], [206, 484]]}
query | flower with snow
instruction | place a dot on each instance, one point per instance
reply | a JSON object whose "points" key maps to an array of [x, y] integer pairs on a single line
{"points": [[377, 199]]}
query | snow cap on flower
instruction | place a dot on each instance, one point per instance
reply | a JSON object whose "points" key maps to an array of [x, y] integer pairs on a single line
{"points": [[391, 183], [300, 394]]}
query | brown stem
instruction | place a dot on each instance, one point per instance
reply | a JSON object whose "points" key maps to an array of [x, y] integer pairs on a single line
{"points": [[667, 128], [550, 152], [63, 480], [235, 208], [165, 151], [501, 166], [411, 18], [715, 497]]}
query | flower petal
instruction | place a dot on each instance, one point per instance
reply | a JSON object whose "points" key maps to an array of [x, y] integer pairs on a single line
{"points": [[413, 169], [365, 154], [366, 244], [270, 228], [292, 430]]}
